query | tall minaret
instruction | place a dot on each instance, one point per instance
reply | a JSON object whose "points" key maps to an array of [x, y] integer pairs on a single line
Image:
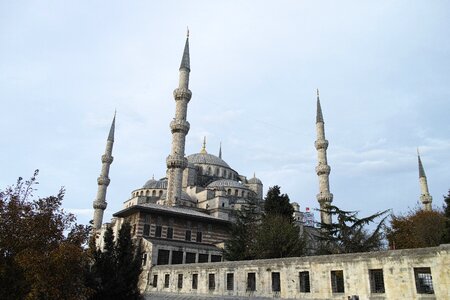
{"points": [[425, 196], [323, 169], [103, 179], [176, 162]]}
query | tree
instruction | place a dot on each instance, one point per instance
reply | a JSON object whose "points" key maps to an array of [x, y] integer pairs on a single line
{"points": [[276, 203], [349, 234], [446, 236], [278, 237], [417, 229], [37, 260], [241, 245], [115, 270]]}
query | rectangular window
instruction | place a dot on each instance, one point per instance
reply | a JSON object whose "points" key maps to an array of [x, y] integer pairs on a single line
{"points": [[304, 282], [146, 230], [216, 258], [424, 280], [199, 237], [155, 281], [212, 281], [144, 259], [376, 281], [177, 257], [276, 284], [166, 280], [203, 258], [337, 281], [158, 231], [194, 281], [180, 281], [251, 282], [147, 219], [169, 232], [187, 237], [230, 281], [163, 257], [190, 258]]}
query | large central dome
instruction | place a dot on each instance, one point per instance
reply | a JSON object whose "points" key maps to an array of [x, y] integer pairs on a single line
{"points": [[207, 159]]}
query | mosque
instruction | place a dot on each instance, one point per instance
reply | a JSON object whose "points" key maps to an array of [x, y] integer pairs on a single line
{"points": [[185, 216]]}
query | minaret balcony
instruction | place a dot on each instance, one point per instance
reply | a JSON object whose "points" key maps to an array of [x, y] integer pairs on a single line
{"points": [[179, 126], [176, 161], [107, 159], [100, 205], [324, 198], [323, 169], [321, 144], [182, 94], [103, 180], [425, 199]]}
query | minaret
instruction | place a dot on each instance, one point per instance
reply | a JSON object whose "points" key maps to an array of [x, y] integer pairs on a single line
{"points": [[220, 150], [103, 180], [425, 196], [323, 169], [176, 161]]}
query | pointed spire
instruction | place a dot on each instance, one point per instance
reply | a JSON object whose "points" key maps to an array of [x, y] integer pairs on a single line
{"points": [[203, 151], [220, 150], [319, 116], [254, 174], [185, 61], [421, 170], [111, 130]]}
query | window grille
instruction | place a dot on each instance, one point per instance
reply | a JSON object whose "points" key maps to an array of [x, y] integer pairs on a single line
{"points": [[155, 280], [230, 281], [203, 258], [305, 286], [166, 280], [146, 230], [169, 232], [194, 281], [376, 281], [424, 280], [251, 282], [190, 258], [337, 281], [199, 237], [188, 235], [212, 281], [180, 281], [276, 285], [158, 231]]}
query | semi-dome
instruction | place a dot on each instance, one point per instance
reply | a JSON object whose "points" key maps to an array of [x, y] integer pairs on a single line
{"points": [[222, 183], [207, 159], [254, 180], [155, 184]]}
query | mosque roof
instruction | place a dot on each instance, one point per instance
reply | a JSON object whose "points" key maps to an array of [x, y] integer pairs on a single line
{"points": [[207, 159], [156, 184], [254, 180], [226, 183]]}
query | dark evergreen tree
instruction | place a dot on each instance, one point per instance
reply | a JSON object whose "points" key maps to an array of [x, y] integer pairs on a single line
{"points": [[115, 270], [276, 203], [349, 234], [446, 235], [241, 245]]}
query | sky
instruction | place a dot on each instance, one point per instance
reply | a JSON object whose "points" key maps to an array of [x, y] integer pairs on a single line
{"points": [[382, 68]]}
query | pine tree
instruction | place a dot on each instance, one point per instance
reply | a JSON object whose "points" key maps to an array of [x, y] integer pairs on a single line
{"points": [[446, 235], [276, 203]]}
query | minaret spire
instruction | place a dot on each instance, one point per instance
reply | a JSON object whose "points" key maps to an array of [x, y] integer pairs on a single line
{"points": [[176, 161], [103, 180], [323, 169], [203, 150], [425, 196], [220, 150]]}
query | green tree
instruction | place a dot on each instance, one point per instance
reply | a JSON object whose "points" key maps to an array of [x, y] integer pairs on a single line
{"points": [[417, 229], [446, 235], [278, 237], [349, 234], [241, 245], [37, 259], [115, 270], [276, 203]]}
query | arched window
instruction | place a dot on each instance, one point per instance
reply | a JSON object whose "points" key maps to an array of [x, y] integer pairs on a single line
{"points": [[147, 192], [229, 192], [160, 193], [142, 193], [153, 193], [236, 192], [209, 171], [217, 171]]}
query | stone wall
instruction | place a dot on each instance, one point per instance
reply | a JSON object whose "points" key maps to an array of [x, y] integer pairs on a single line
{"points": [[393, 274]]}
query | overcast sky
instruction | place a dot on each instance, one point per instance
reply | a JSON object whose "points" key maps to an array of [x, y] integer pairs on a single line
{"points": [[382, 67]]}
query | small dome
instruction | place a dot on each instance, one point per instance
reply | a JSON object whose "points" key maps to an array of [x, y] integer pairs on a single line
{"points": [[207, 159], [156, 184], [254, 180], [222, 183]]}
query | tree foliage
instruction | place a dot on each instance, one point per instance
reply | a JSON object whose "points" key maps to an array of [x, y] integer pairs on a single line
{"points": [[446, 236], [37, 259], [115, 270], [349, 233], [276, 203], [417, 229]]}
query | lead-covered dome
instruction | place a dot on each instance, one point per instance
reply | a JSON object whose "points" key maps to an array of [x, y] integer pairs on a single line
{"points": [[156, 184], [254, 180], [222, 183], [206, 159]]}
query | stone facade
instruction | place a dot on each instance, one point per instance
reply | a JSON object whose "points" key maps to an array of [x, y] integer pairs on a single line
{"points": [[397, 274]]}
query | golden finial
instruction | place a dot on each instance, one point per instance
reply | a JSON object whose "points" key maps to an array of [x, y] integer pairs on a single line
{"points": [[203, 151]]}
